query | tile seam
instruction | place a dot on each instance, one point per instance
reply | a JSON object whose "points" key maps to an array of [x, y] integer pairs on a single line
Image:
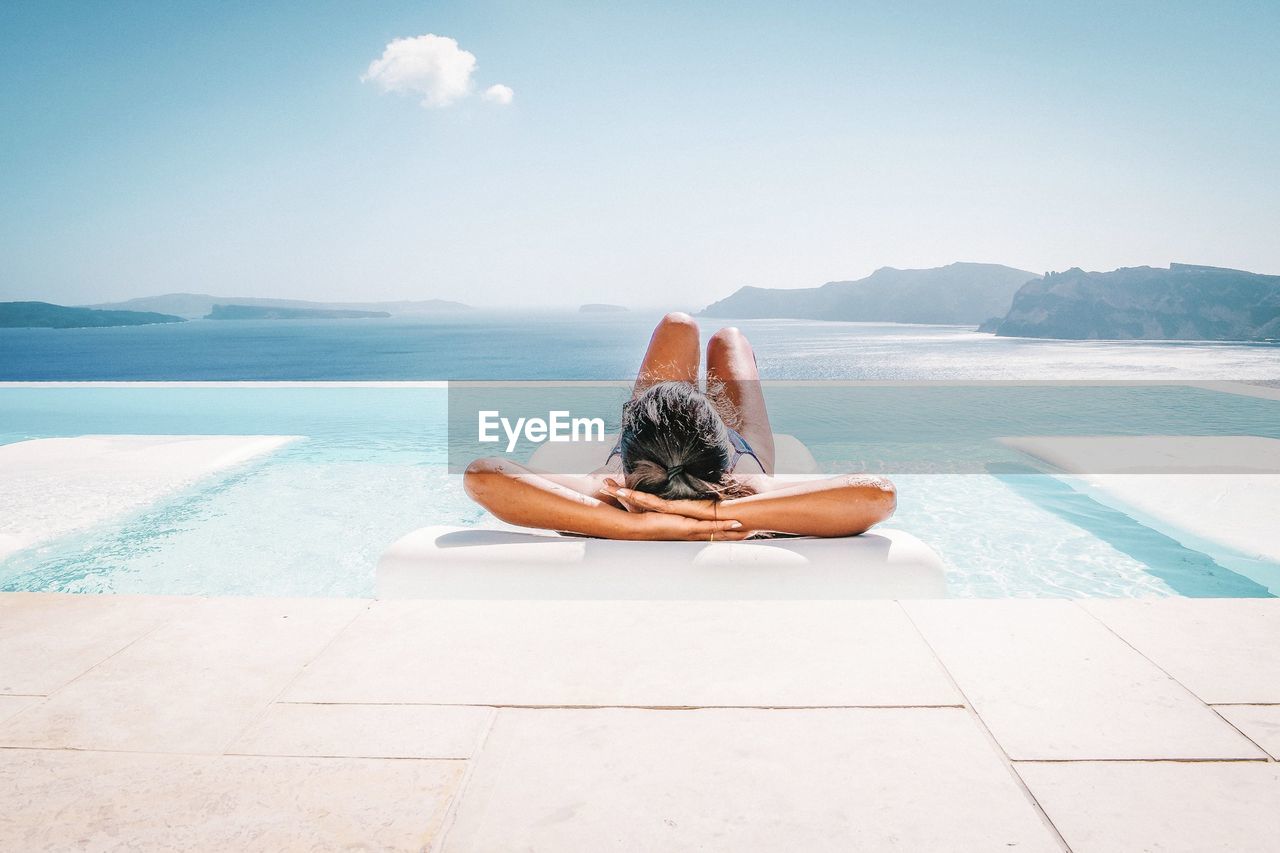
{"points": [[592, 707], [455, 802], [153, 629], [266, 707], [1264, 755], [999, 750]]}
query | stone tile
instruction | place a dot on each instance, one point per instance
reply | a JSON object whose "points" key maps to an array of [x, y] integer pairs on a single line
{"points": [[369, 731], [664, 654], [56, 800], [1222, 650], [47, 639], [734, 779], [1173, 807], [192, 684], [1051, 682], [10, 705], [1260, 723]]}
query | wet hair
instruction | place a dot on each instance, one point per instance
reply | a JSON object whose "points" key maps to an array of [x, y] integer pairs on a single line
{"points": [[676, 445]]}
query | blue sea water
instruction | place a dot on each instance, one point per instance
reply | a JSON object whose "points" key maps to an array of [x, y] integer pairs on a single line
{"points": [[313, 518], [507, 345]]}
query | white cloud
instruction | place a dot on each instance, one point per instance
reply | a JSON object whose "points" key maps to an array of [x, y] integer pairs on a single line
{"points": [[431, 66], [498, 94]]}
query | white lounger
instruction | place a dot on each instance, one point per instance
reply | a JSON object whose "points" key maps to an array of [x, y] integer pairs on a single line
{"points": [[476, 563]]}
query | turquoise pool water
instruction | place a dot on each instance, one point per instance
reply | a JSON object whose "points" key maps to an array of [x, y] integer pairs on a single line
{"points": [[313, 518]]}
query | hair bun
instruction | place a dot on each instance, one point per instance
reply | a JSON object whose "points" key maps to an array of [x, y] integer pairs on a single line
{"points": [[674, 470]]}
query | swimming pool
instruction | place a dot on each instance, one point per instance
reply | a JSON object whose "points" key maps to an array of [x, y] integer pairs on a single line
{"points": [[312, 518]]}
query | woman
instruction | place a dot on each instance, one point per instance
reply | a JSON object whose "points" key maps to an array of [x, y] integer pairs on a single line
{"points": [[687, 465]]}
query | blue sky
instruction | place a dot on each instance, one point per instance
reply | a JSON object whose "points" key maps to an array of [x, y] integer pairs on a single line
{"points": [[652, 154]]}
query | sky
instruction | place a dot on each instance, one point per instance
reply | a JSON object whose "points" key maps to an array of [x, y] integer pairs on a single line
{"points": [[648, 154]]}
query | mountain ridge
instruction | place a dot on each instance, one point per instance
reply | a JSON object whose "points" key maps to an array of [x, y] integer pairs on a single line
{"points": [[271, 312], [1182, 302], [193, 306], [46, 315], [960, 293]]}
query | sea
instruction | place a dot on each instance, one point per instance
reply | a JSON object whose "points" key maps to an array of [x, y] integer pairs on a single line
{"points": [[480, 345]]}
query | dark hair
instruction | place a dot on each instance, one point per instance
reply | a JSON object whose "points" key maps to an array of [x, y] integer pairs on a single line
{"points": [[676, 445]]}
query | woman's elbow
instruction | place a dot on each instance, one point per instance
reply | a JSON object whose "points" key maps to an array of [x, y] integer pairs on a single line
{"points": [[885, 498], [876, 501], [480, 478]]}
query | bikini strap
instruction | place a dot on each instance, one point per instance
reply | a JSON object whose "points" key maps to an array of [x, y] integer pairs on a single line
{"points": [[741, 448]]}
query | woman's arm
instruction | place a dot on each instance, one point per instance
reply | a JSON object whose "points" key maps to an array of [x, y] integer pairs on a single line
{"points": [[518, 495], [840, 506]]}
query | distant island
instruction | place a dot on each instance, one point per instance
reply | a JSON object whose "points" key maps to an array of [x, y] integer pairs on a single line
{"points": [[45, 315], [265, 312], [957, 294], [193, 306], [601, 308], [1183, 302]]}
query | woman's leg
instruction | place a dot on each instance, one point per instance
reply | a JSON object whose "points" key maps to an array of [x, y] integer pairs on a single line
{"points": [[672, 353], [735, 382]]}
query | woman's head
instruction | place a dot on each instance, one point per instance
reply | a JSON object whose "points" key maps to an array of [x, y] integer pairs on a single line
{"points": [[675, 444]]}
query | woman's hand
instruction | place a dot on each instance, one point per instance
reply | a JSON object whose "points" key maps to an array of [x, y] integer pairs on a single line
{"points": [[634, 500], [666, 526], [657, 518]]}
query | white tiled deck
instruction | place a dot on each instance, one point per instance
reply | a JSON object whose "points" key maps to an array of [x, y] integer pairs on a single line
{"points": [[469, 725]]}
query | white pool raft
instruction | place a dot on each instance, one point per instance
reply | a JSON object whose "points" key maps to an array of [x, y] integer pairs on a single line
{"points": [[477, 563], [473, 563]]}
